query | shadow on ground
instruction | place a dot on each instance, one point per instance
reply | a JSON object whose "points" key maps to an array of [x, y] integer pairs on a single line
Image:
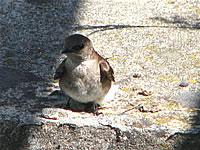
{"points": [[30, 32], [180, 22], [189, 140]]}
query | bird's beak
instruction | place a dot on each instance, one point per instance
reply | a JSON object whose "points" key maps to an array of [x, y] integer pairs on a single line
{"points": [[65, 51]]}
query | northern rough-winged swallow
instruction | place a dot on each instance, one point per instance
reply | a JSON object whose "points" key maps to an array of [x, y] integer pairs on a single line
{"points": [[84, 75]]}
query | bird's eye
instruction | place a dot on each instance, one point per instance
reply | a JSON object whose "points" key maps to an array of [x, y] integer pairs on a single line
{"points": [[78, 47]]}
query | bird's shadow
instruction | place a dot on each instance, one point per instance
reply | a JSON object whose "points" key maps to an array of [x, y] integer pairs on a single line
{"points": [[70, 104]]}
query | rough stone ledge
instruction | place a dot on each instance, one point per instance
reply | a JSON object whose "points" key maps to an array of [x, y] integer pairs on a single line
{"points": [[63, 129], [56, 128]]}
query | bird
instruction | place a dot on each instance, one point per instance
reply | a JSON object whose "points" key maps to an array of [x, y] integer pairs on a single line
{"points": [[84, 75]]}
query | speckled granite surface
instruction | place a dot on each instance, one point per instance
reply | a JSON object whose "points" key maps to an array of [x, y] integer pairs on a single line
{"points": [[153, 47]]}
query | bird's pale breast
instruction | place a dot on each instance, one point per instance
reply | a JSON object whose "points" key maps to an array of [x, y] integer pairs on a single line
{"points": [[82, 82]]}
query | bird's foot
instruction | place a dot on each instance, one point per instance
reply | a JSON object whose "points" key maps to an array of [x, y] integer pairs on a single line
{"points": [[93, 108]]}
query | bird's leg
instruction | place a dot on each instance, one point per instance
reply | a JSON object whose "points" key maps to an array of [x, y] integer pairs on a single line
{"points": [[93, 107]]}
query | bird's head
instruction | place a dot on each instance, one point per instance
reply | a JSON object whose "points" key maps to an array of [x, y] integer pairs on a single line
{"points": [[77, 45]]}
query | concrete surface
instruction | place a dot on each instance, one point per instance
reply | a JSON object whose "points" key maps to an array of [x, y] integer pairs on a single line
{"points": [[153, 47]]}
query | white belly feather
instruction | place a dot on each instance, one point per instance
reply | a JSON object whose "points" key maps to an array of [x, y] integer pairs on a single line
{"points": [[82, 83]]}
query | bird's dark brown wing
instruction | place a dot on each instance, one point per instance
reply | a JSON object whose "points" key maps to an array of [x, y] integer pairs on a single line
{"points": [[106, 71], [60, 70]]}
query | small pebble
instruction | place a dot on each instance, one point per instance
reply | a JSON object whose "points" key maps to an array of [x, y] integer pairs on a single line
{"points": [[136, 75], [145, 93], [134, 89], [184, 84]]}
